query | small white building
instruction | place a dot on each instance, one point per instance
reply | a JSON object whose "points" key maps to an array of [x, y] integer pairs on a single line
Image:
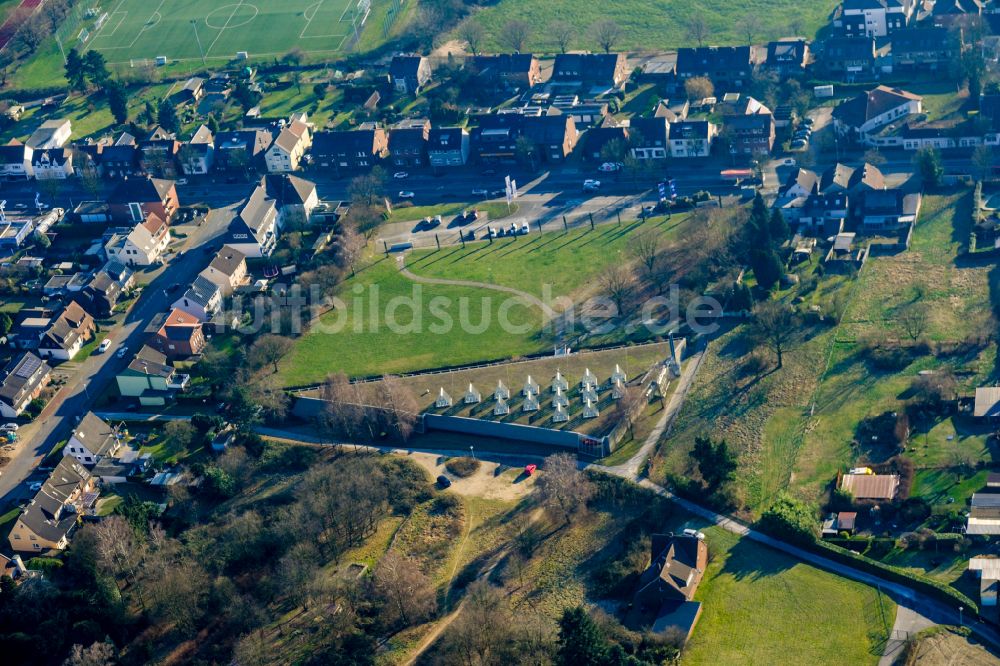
{"points": [[142, 246]]}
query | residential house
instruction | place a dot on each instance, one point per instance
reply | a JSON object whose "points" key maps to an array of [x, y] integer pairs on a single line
{"points": [[142, 246], [286, 153], [987, 404], [728, 67], [254, 231], [494, 141], [511, 70], [851, 58], [51, 134], [750, 134], [596, 140], [198, 154], [351, 151], [92, 212], [870, 486], [21, 381], [667, 588], [941, 134], [863, 116], [984, 514], [228, 269], [824, 214], [595, 71], [787, 57], [15, 161], [93, 439], [925, 49], [158, 154], [660, 69], [52, 515], [987, 569], [121, 159], [13, 233], [241, 151], [135, 199], [800, 183], [67, 333], [296, 198], [409, 73], [201, 300], [108, 285], [673, 110], [447, 147], [648, 138], [408, 143], [554, 135], [176, 335], [52, 164], [887, 210], [841, 177], [193, 90], [692, 138], [955, 14], [874, 18], [150, 379]]}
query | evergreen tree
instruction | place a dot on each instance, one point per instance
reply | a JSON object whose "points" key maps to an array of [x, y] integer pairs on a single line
{"points": [[741, 298], [580, 640], [5, 324], [96, 68], [716, 462], [117, 101], [76, 74], [213, 124], [766, 266], [778, 227], [166, 116]]}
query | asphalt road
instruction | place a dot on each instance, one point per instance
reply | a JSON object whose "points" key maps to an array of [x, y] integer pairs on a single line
{"points": [[91, 377]]}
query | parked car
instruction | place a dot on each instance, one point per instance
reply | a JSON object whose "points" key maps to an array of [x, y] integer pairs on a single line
{"points": [[480, 193], [808, 122], [182, 181], [610, 167], [491, 232], [497, 193], [525, 228], [799, 143], [9, 427], [104, 346], [400, 175], [121, 352], [444, 481], [35, 486], [591, 185], [405, 194]]}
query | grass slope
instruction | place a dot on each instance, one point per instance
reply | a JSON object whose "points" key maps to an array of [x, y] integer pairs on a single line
{"points": [[655, 24], [762, 607]]}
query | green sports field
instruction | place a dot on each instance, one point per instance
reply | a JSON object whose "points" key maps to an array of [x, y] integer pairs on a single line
{"points": [[189, 29]]}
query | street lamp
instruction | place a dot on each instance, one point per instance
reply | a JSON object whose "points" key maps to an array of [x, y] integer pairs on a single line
{"points": [[472, 452], [960, 609]]}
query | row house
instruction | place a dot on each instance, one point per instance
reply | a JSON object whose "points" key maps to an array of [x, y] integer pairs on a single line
{"points": [[241, 151], [874, 18], [508, 70], [288, 149], [142, 246], [350, 151], [15, 161], [728, 67], [228, 270], [54, 512], [202, 300], [851, 58], [52, 164], [67, 333], [595, 71], [407, 143], [692, 138], [409, 73], [648, 138], [787, 57], [447, 147], [925, 49], [21, 381], [135, 199], [158, 154], [198, 154]]}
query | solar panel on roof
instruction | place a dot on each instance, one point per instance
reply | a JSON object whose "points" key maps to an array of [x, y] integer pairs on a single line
{"points": [[28, 367]]}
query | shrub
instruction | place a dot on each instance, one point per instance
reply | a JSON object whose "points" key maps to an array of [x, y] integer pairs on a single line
{"points": [[462, 467], [789, 519], [446, 503]]}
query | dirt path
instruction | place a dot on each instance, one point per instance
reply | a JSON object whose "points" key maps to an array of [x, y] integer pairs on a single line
{"points": [[491, 481], [549, 313]]}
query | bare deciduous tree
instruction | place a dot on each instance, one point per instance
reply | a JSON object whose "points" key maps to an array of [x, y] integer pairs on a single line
{"points": [[408, 594], [607, 33], [563, 486], [120, 553], [472, 33], [645, 248], [514, 35], [913, 319], [618, 284], [751, 26], [699, 87], [774, 325], [400, 404], [562, 34], [268, 350], [98, 654], [698, 29]]}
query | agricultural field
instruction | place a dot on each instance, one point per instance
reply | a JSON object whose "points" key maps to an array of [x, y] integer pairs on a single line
{"points": [[193, 29], [649, 25]]}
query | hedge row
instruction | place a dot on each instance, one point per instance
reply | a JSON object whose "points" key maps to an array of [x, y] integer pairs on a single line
{"points": [[940, 591]]}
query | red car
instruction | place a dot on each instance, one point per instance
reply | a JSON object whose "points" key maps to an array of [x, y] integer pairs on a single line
{"points": [[530, 469]]}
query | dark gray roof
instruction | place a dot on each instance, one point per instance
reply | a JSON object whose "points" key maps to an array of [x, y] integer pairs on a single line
{"points": [[46, 516], [21, 377], [94, 433]]}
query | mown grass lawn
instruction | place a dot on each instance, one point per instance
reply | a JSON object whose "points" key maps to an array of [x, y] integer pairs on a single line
{"points": [[649, 25], [494, 210], [563, 261], [763, 607], [415, 326]]}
